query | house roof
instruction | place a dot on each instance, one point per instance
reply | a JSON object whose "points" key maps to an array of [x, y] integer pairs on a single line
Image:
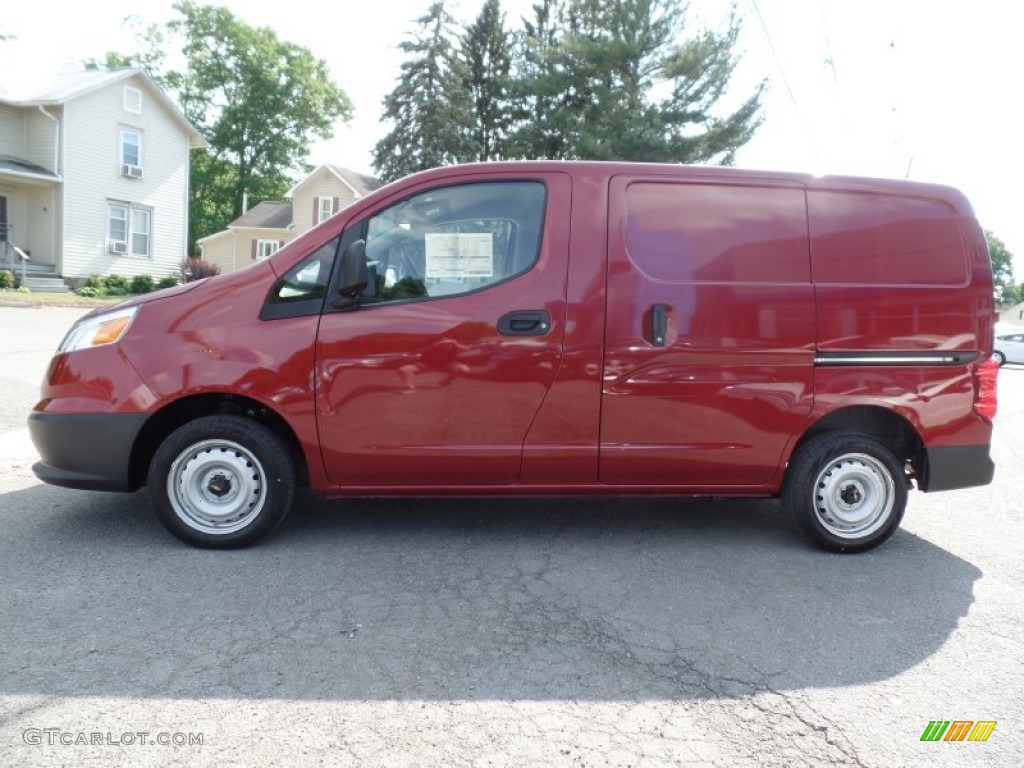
{"points": [[266, 215], [62, 87], [270, 214], [359, 183], [68, 86], [13, 166]]}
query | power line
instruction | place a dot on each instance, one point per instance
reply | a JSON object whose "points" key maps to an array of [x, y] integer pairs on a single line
{"points": [[830, 57], [785, 81]]}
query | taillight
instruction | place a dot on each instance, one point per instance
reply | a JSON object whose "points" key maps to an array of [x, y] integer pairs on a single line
{"points": [[985, 388]]}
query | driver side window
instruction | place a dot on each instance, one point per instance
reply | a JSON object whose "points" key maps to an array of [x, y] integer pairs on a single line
{"points": [[454, 240]]}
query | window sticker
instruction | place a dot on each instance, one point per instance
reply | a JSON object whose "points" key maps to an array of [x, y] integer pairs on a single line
{"points": [[459, 255]]}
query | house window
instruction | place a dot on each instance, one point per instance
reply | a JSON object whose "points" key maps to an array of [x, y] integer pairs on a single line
{"points": [[131, 153], [129, 229], [325, 208], [141, 231], [132, 100], [266, 247], [117, 226]]}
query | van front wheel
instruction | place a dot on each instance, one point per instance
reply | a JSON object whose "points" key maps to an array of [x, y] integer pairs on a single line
{"points": [[221, 482], [847, 492]]}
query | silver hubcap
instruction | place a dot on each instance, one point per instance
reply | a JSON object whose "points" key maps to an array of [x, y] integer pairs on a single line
{"points": [[216, 486], [854, 495]]}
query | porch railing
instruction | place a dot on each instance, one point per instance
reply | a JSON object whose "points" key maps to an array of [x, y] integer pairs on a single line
{"points": [[12, 255]]}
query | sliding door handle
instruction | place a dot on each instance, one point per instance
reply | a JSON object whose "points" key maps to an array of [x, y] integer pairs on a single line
{"points": [[659, 324]]}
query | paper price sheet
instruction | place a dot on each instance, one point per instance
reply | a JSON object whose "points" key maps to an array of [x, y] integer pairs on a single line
{"points": [[459, 255]]}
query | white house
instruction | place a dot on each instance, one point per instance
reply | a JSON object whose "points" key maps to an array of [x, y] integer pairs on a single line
{"points": [[259, 232], [94, 175]]}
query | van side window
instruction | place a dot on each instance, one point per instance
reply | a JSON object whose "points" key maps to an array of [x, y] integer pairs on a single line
{"points": [[875, 239], [301, 291], [717, 233], [454, 240]]}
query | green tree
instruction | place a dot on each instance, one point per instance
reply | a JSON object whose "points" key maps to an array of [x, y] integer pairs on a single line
{"points": [[486, 51], [429, 110], [601, 80], [1007, 292], [258, 100], [151, 40], [543, 105]]}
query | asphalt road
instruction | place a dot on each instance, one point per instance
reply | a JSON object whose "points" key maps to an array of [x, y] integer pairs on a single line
{"points": [[526, 632]]}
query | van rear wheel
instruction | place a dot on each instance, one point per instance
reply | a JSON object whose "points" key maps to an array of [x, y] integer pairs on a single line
{"points": [[848, 492], [221, 482]]}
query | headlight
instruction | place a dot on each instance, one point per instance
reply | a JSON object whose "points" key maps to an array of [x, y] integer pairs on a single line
{"points": [[96, 331]]}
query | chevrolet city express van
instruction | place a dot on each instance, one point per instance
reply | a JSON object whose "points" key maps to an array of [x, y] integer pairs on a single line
{"points": [[551, 328]]}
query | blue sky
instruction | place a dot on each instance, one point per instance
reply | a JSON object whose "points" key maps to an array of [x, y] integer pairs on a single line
{"points": [[894, 88]]}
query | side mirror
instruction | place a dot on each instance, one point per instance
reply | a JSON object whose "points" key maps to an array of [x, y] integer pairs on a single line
{"points": [[354, 276]]}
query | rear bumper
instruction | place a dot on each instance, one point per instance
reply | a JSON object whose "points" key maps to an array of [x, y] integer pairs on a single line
{"points": [[960, 466], [87, 451]]}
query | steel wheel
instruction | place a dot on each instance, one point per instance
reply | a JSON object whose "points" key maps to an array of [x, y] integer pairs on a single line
{"points": [[855, 495], [216, 486], [221, 481], [848, 492]]}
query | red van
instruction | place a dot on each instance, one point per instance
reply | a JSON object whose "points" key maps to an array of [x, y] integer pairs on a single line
{"points": [[551, 328]]}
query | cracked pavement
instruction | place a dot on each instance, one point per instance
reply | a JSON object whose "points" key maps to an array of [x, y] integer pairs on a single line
{"points": [[581, 632]]}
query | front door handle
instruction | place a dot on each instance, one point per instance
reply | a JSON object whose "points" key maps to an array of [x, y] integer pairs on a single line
{"points": [[531, 322]]}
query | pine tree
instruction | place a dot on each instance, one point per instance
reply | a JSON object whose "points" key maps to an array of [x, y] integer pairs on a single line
{"points": [[589, 77], [543, 108], [486, 51], [429, 109], [700, 70]]}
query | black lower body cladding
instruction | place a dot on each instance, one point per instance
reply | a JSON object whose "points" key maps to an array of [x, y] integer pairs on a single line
{"points": [[87, 451], [948, 468]]}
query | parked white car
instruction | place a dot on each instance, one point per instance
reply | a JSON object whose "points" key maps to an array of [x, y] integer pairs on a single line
{"points": [[1009, 348]]}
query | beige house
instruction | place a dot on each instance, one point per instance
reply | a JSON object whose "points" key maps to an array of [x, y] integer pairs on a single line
{"points": [[93, 177], [1013, 315], [260, 231]]}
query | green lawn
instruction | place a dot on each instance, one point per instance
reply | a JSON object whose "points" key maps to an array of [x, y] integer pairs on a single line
{"points": [[13, 298]]}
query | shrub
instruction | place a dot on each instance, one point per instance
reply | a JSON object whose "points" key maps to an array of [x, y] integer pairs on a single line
{"points": [[94, 286], [167, 282], [6, 278], [142, 284], [117, 285], [197, 269], [23, 289]]}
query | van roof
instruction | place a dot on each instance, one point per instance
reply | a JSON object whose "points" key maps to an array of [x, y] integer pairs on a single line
{"points": [[726, 174]]}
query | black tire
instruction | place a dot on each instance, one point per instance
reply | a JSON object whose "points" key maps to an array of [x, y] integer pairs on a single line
{"points": [[848, 492], [221, 482], [1000, 358]]}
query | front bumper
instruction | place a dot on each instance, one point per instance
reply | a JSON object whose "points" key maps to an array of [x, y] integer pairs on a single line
{"points": [[87, 451]]}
